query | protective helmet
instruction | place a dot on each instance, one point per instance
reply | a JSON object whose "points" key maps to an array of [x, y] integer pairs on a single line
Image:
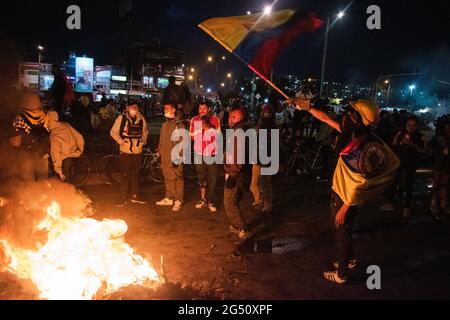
{"points": [[367, 109]]}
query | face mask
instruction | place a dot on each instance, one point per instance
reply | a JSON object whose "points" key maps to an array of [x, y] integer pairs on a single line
{"points": [[133, 113], [169, 115]]}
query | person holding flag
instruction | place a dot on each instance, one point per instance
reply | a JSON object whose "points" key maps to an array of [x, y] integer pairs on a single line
{"points": [[366, 169]]}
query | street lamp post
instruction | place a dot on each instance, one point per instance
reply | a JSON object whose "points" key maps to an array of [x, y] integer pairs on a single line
{"points": [[324, 57], [40, 49], [388, 93], [390, 76], [340, 15], [211, 59]]}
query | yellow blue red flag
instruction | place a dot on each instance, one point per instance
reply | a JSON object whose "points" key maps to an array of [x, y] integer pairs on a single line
{"points": [[258, 39]]}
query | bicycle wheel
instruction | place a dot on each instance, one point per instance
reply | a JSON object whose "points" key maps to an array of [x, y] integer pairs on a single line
{"points": [[108, 170], [81, 171], [156, 174]]}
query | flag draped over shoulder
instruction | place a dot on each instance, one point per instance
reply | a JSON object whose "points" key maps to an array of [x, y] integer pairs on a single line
{"points": [[258, 39]]}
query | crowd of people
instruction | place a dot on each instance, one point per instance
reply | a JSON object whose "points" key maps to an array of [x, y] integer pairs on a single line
{"points": [[342, 133]]}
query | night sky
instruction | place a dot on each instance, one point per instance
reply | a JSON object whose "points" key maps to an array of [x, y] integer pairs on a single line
{"points": [[409, 29]]}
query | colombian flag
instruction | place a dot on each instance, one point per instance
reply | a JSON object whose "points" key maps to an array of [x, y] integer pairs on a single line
{"points": [[258, 39]]}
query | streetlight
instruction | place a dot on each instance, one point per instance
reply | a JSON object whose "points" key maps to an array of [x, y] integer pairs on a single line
{"points": [[249, 12], [267, 10], [192, 70], [387, 82], [229, 76], [191, 77], [391, 76], [412, 88], [40, 49], [210, 59], [222, 84], [339, 16], [224, 58]]}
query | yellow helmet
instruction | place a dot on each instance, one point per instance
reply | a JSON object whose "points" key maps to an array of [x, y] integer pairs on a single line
{"points": [[367, 109]]}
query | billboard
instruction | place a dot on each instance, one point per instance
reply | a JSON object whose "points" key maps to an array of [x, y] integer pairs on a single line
{"points": [[103, 76], [149, 82], [163, 83], [84, 74]]}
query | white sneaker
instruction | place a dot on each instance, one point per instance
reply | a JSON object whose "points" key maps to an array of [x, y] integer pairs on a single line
{"points": [[165, 202], [176, 206], [212, 207], [201, 204], [387, 207], [333, 276]]}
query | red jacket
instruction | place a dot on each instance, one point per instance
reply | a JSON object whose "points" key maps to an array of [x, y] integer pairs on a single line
{"points": [[205, 138]]}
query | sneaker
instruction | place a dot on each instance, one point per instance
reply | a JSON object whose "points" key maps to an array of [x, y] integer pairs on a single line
{"points": [[407, 213], [387, 207], [333, 276], [137, 200], [351, 264], [177, 206], [122, 203], [234, 230], [244, 235], [212, 207], [201, 204], [165, 202], [320, 179]]}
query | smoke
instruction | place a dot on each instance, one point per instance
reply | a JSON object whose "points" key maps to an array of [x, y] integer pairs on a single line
{"points": [[435, 67], [26, 206]]}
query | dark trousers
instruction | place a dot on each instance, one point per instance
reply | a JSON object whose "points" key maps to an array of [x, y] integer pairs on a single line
{"points": [[68, 168], [234, 203], [173, 181], [130, 165], [343, 234], [207, 178], [406, 174]]}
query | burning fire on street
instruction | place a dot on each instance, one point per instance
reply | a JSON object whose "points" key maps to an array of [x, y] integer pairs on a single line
{"points": [[77, 258]]}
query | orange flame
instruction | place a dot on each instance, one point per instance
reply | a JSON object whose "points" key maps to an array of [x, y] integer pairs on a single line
{"points": [[81, 258]]}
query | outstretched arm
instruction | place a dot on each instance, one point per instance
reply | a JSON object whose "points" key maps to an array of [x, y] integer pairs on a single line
{"points": [[305, 104], [325, 118]]}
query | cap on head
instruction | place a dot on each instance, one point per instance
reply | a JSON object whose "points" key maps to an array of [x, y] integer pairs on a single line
{"points": [[31, 102], [367, 109]]}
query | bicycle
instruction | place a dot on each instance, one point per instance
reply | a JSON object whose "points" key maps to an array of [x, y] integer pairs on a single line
{"points": [[108, 169], [304, 159]]}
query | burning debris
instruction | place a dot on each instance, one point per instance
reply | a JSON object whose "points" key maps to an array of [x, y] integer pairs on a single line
{"points": [[69, 256]]}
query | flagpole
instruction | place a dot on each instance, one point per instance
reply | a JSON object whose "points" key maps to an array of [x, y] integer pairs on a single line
{"points": [[265, 79]]}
